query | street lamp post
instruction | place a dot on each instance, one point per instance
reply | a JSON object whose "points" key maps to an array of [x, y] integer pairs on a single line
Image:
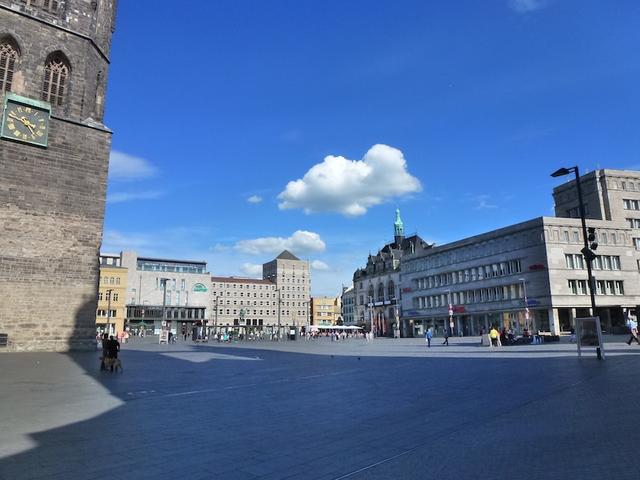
{"points": [[109, 293], [586, 252], [371, 316], [163, 281], [526, 304], [450, 312], [278, 290], [215, 325]]}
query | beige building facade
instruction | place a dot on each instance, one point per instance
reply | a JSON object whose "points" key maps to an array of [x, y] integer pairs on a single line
{"points": [[326, 310], [532, 275], [292, 278], [244, 305], [111, 312]]}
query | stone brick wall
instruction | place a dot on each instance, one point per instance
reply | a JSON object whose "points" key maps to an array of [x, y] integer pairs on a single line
{"points": [[52, 199]]}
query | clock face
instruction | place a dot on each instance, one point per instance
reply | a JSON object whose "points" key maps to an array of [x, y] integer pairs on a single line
{"points": [[25, 123]]}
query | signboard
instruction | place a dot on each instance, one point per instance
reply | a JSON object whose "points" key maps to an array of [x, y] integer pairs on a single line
{"points": [[406, 289], [164, 336], [199, 287], [589, 334], [537, 266]]}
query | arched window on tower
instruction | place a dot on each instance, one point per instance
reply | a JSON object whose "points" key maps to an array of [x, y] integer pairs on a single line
{"points": [[370, 294], [56, 75], [8, 60], [380, 292]]}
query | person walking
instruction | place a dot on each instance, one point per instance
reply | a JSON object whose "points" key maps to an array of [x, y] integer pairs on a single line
{"points": [[633, 329], [113, 347], [446, 336], [494, 334], [429, 336]]}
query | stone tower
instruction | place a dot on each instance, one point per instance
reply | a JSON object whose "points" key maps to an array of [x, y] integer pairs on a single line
{"points": [[54, 157]]}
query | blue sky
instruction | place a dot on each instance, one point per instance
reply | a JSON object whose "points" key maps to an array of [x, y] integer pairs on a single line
{"points": [[242, 127]]}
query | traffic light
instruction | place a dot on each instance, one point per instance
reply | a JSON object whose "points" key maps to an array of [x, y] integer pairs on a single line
{"points": [[591, 237]]}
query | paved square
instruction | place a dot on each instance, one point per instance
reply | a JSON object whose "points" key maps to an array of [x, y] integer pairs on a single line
{"points": [[322, 410]]}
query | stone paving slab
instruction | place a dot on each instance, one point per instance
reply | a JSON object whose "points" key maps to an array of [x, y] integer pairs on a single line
{"points": [[320, 410]]}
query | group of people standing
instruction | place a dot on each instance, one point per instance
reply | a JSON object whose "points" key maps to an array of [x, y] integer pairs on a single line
{"points": [[110, 349]]}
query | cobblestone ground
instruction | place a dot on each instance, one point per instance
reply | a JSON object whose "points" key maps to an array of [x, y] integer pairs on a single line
{"points": [[322, 410]]}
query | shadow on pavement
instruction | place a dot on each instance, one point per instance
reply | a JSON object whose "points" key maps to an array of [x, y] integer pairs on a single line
{"points": [[213, 411]]}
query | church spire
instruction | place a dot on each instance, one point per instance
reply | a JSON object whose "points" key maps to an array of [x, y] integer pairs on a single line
{"points": [[398, 228]]}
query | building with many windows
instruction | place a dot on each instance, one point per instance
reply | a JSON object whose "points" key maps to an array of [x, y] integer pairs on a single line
{"points": [[532, 274], [247, 306], [348, 301], [325, 310], [112, 290], [376, 286], [187, 299], [292, 278]]}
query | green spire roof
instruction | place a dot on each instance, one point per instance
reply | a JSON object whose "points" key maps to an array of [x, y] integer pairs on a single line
{"points": [[398, 225]]}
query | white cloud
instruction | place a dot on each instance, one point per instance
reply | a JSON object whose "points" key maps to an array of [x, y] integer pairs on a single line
{"points": [[319, 265], [120, 197], [123, 166], [482, 203], [299, 243], [252, 269], [525, 6], [254, 199], [350, 187]]}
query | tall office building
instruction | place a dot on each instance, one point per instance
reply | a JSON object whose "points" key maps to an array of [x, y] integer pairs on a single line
{"points": [[292, 278]]}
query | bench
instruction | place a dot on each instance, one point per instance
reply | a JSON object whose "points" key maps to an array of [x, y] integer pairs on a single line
{"points": [[4, 339]]}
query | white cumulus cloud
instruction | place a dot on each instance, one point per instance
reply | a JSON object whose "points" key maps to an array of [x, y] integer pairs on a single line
{"points": [[301, 242], [254, 199], [252, 269], [123, 166], [319, 265], [350, 187]]}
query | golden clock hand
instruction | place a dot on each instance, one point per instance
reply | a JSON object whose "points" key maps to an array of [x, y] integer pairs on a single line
{"points": [[26, 121], [12, 115]]}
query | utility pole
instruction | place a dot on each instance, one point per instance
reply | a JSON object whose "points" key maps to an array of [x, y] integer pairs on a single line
{"points": [[109, 309], [278, 290], [587, 253], [164, 306], [215, 325], [371, 316]]}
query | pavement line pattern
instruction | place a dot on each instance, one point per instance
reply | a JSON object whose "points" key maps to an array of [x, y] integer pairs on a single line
{"points": [[248, 385], [465, 425]]}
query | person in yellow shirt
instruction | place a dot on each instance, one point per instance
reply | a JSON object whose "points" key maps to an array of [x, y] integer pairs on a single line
{"points": [[494, 336]]}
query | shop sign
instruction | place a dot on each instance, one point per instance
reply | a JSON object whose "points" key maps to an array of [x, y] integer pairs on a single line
{"points": [[199, 287]]}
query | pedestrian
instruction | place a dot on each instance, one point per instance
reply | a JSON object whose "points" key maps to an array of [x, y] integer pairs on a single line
{"points": [[494, 336], [633, 329], [429, 336], [446, 336], [113, 347]]}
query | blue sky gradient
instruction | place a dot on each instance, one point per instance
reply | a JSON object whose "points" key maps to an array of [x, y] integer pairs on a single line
{"points": [[214, 103]]}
